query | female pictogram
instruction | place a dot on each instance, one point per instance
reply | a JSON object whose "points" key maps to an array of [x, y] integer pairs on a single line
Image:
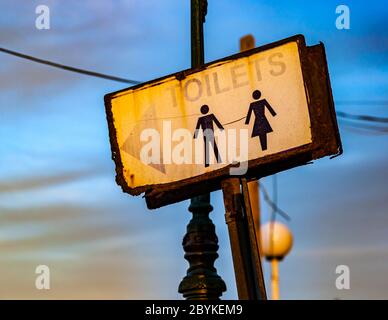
{"points": [[206, 124], [261, 125]]}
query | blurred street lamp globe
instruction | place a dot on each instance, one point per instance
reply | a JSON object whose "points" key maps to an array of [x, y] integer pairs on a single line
{"points": [[281, 242]]}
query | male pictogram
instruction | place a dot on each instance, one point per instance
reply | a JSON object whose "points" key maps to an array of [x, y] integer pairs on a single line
{"points": [[261, 125], [206, 124]]}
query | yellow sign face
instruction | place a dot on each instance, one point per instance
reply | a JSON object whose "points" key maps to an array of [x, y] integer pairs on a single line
{"points": [[193, 123]]}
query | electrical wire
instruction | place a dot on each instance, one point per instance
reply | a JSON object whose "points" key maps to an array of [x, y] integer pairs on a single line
{"points": [[68, 68], [274, 211], [362, 131], [274, 206], [379, 129], [362, 102], [361, 117], [274, 197]]}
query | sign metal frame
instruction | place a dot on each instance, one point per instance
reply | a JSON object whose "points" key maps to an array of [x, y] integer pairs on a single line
{"points": [[324, 130]]}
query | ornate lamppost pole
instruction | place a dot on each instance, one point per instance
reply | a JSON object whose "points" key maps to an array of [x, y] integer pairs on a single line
{"points": [[200, 242]]}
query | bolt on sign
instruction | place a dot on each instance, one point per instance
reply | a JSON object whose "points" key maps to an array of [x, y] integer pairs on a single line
{"points": [[251, 114]]}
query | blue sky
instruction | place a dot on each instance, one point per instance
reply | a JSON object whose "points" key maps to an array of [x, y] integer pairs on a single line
{"points": [[60, 206]]}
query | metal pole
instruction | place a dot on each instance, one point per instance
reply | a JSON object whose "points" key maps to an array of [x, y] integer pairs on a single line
{"points": [[255, 250], [239, 242], [253, 187], [200, 242], [245, 252], [198, 14], [275, 279]]}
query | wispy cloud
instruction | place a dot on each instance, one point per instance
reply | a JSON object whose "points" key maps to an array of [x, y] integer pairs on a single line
{"points": [[37, 182]]}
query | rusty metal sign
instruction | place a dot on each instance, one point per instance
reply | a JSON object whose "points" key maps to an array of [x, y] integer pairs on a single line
{"points": [[251, 114]]}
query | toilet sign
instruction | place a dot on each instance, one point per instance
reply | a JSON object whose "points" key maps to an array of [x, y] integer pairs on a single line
{"points": [[251, 114]]}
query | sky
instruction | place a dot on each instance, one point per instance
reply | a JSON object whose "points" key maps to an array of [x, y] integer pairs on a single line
{"points": [[60, 205]]}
